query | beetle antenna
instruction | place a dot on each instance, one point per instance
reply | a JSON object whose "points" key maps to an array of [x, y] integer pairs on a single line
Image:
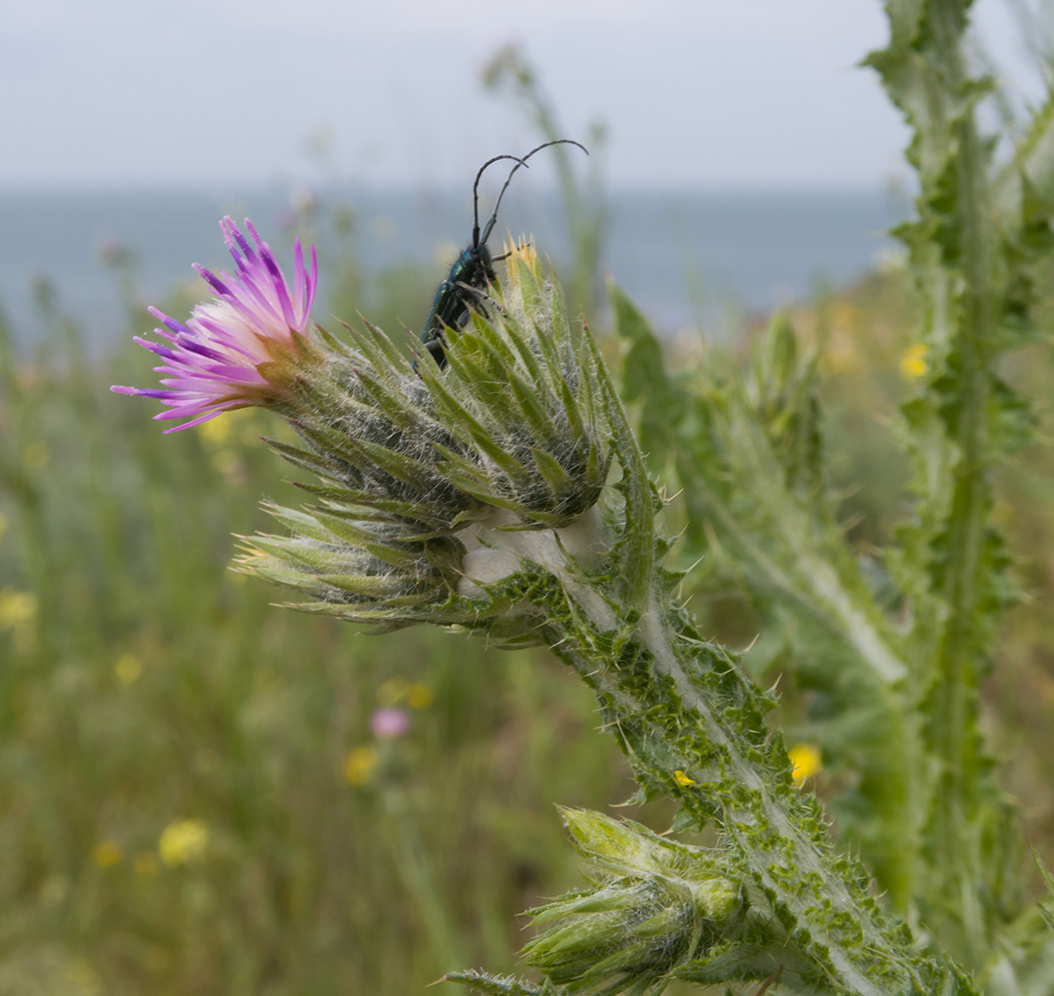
{"points": [[475, 193], [506, 255], [522, 162]]}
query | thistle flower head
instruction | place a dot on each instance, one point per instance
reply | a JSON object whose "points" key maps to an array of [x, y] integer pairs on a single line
{"points": [[412, 455], [408, 455], [229, 353]]}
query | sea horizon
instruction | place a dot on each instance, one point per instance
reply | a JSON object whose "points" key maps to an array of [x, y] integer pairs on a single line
{"points": [[690, 257]]}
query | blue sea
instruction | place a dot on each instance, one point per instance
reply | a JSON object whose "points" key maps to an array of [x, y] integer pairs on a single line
{"points": [[689, 259]]}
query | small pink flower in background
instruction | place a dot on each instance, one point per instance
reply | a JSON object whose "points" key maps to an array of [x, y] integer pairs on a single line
{"points": [[389, 723], [210, 364]]}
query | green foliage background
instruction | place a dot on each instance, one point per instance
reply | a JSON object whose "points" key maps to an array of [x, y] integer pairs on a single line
{"points": [[142, 684]]}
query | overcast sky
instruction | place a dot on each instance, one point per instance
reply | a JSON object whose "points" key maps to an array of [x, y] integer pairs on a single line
{"points": [[695, 93]]}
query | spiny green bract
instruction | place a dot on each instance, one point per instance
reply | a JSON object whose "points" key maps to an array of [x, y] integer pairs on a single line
{"points": [[522, 403], [502, 985]]}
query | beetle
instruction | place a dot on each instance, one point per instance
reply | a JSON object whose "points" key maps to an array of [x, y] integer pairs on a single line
{"points": [[473, 270]]}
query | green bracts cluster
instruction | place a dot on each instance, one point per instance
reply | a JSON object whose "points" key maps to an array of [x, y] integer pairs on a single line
{"points": [[523, 404], [410, 457], [653, 905]]}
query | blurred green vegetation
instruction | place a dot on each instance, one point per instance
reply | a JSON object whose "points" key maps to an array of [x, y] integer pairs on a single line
{"points": [[192, 800], [868, 363]]}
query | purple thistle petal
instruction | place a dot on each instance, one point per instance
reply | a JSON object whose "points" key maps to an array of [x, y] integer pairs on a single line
{"points": [[231, 234], [249, 307], [202, 350], [255, 234], [211, 363], [176, 337], [298, 271], [211, 279], [155, 347], [279, 284], [312, 284], [208, 416], [171, 323]]}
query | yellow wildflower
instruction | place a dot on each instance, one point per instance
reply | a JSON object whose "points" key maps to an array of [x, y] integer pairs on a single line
{"points": [[391, 692], [18, 612], [806, 760], [361, 764], [215, 432], [127, 669], [418, 696], [16, 608], [183, 841], [238, 427], [396, 691], [682, 779], [914, 363], [107, 853]]}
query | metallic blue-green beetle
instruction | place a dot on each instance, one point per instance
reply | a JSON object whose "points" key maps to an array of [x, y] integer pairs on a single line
{"points": [[473, 270]]}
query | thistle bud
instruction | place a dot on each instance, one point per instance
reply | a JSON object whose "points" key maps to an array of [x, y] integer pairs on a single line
{"points": [[521, 396], [653, 904], [360, 571]]}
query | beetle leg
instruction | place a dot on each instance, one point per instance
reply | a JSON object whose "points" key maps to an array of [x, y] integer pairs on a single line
{"points": [[437, 347], [481, 297]]}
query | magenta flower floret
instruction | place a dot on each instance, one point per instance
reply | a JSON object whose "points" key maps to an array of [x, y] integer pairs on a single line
{"points": [[211, 364], [389, 722]]}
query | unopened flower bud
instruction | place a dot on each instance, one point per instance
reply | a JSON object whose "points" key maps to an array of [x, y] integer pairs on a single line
{"points": [[653, 904]]}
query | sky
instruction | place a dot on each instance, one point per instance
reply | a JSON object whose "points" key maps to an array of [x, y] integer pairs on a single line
{"points": [[693, 93]]}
